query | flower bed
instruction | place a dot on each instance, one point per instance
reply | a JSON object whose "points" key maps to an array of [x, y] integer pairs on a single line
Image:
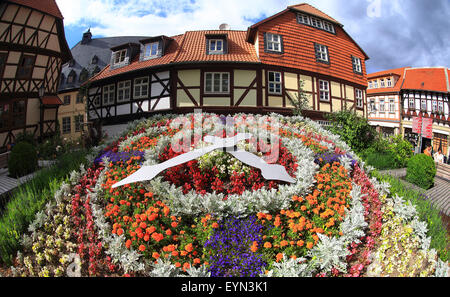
{"points": [[216, 216]]}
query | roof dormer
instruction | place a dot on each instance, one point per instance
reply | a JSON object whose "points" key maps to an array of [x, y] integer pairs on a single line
{"points": [[216, 44], [123, 54], [154, 47]]}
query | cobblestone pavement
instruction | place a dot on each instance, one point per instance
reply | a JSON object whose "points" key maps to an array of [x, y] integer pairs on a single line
{"points": [[439, 194]]}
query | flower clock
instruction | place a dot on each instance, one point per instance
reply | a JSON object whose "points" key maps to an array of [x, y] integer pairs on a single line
{"points": [[208, 195]]}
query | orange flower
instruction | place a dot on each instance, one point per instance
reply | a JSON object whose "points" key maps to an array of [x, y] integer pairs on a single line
{"points": [[188, 248], [267, 245], [142, 248], [279, 257], [155, 255], [128, 244], [309, 245], [215, 225], [186, 266]]}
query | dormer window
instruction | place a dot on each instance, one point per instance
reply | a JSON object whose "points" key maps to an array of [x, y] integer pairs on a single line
{"points": [[94, 60], [389, 82], [315, 22], [215, 46], [119, 56], [151, 50]]}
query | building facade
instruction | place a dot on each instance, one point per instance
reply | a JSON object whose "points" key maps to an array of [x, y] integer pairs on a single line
{"points": [[32, 50], [229, 71], [90, 56], [396, 97]]}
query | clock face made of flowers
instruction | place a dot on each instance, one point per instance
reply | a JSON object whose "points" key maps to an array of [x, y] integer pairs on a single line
{"points": [[268, 171]]}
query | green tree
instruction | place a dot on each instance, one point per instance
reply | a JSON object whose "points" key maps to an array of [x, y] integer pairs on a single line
{"points": [[301, 102], [353, 129]]}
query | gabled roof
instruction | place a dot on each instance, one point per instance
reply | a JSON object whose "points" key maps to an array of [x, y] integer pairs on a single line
{"points": [[83, 54], [428, 79], [305, 7], [191, 47], [47, 6], [398, 73]]}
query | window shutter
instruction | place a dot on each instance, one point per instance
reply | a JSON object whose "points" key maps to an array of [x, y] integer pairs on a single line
{"points": [[265, 42], [207, 46], [111, 63], [142, 53], [281, 44], [225, 46], [160, 48], [316, 49]]}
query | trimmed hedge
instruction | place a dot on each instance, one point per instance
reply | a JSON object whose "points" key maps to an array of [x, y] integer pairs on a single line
{"points": [[421, 171], [23, 160]]}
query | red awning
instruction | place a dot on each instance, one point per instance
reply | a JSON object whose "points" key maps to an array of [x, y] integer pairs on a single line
{"points": [[51, 100]]}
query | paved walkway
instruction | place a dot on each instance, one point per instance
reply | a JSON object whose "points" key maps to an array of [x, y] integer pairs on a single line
{"points": [[439, 194]]}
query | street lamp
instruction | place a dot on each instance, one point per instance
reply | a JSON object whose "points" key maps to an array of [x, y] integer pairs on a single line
{"points": [[41, 91]]}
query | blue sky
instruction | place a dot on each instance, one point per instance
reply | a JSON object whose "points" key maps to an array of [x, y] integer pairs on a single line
{"points": [[394, 33]]}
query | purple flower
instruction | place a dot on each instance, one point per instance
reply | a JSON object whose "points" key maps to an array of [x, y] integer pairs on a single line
{"points": [[117, 157]]}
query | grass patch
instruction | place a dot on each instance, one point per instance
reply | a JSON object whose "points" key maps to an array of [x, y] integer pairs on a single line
{"points": [[31, 197]]}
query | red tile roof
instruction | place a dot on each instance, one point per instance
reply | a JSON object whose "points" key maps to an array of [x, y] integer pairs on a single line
{"points": [[194, 48], [298, 44], [51, 100], [430, 79], [299, 51], [46, 6], [305, 7], [398, 73]]}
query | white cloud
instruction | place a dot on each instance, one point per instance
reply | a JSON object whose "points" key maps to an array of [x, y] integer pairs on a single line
{"points": [[170, 17]]}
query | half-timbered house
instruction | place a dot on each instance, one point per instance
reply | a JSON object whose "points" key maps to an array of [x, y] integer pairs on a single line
{"points": [[396, 97], [229, 71], [32, 50]]}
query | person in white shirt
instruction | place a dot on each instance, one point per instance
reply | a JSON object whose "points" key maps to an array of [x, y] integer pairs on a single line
{"points": [[439, 157]]}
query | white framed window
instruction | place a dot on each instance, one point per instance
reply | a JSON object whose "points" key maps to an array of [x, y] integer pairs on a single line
{"points": [[274, 79], [151, 50], [389, 82], [321, 53], [375, 84], [140, 87], [303, 19], [324, 90], [119, 56], [109, 94], [78, 121], [215, 46], [391, 105], [382, 107], [124, 91], [356, 64], [359, 98], [423, 104], [382, 85], [372, 107], [435, 106], [412, 104], [217, 82], [370, 85], [273, 42], [441, 106]]}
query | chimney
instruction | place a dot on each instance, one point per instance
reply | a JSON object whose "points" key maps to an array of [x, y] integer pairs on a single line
{"points": [[87, 37]]}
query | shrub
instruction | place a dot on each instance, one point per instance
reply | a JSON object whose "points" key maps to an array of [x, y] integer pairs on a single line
{"points": [[25, 137], [380, 160], [23, 160], [421, 171], [353, 129], [402, 150]]}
